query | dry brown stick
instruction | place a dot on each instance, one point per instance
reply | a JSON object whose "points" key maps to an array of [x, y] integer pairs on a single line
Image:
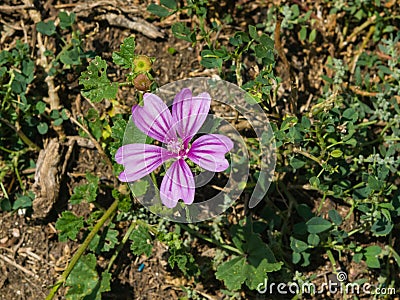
{"points": [[13, 8], [53, 99], [356, 31], [136, 24], [19, 267], [79, 7], [361, 49]]}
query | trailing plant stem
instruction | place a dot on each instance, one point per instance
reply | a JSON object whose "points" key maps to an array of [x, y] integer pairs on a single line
{"points": [[122, 244], [109, 212], [210, 240]]}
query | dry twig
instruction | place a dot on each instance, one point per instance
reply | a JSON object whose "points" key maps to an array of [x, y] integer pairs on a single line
{"points": [[19, 267]]}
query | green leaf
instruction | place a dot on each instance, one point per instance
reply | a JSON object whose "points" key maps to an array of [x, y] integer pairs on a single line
{"points": [[336, 153], [314, 181], [210, 60], [111, 239], [296, 257], [312, 36], [66, 20], [267, 42], [303, 33], [373, 250], [233, 273], [5, 57], [139, 188], [158, 10], [58, 122], [374, 183], [117, 134], [140, 238], [94, 123], [41, 107], [69, 225], [306, 259], [335, 217], [70, 57], [253, 32], [126, 55], [257, 275], [313, 239], [298, 245], [372, 262], [87, 192], [300, 228], [96, 85], [317, 225], [46, 28], [371, 256], [304, 211], [261, 51], [181, 31], [169, 3], [305, 122], [106, 241], [357, 257], [350, 114], [257, 249], [104, 284], [28, 68], [288, 122], [83, 278], [382, 227], [42, 128], [22, 202], [297, 163], [5, 204]]}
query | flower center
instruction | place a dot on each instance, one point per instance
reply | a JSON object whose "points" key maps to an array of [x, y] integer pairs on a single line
{"points": [[176, 146]]}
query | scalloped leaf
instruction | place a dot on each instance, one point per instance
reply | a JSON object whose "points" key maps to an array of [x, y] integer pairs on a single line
{"points": [[69, 225], [140, 238], [96, 85], [125, 57]]}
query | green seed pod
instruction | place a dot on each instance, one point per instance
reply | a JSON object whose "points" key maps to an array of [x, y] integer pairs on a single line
{"points": [[142, 82]]}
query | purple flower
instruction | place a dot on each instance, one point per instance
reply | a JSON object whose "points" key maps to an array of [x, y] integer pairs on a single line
{"points": [[175, 131]]}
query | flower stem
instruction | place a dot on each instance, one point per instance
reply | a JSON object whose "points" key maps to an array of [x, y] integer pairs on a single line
{"points": [[308, 155], [125, 239], [121, 245], [211, 240], [21, 135], [110, 211]]}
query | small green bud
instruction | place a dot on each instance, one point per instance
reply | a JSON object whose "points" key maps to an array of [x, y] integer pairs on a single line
{"points": [[142, 64]]}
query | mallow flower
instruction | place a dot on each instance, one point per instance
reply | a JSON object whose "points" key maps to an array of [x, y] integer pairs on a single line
{"points": [[175, 131]]}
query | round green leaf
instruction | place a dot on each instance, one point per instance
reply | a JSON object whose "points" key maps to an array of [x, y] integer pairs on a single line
{"points": [[58, 122], [336, 153], [297, 163], [317, 225], [313, 239], [42, 128]]}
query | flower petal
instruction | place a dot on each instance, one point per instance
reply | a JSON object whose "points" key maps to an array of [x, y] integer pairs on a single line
{"points": [[208, 151], [178, 183], [140, 160], [189, 113], [154, 118]]}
